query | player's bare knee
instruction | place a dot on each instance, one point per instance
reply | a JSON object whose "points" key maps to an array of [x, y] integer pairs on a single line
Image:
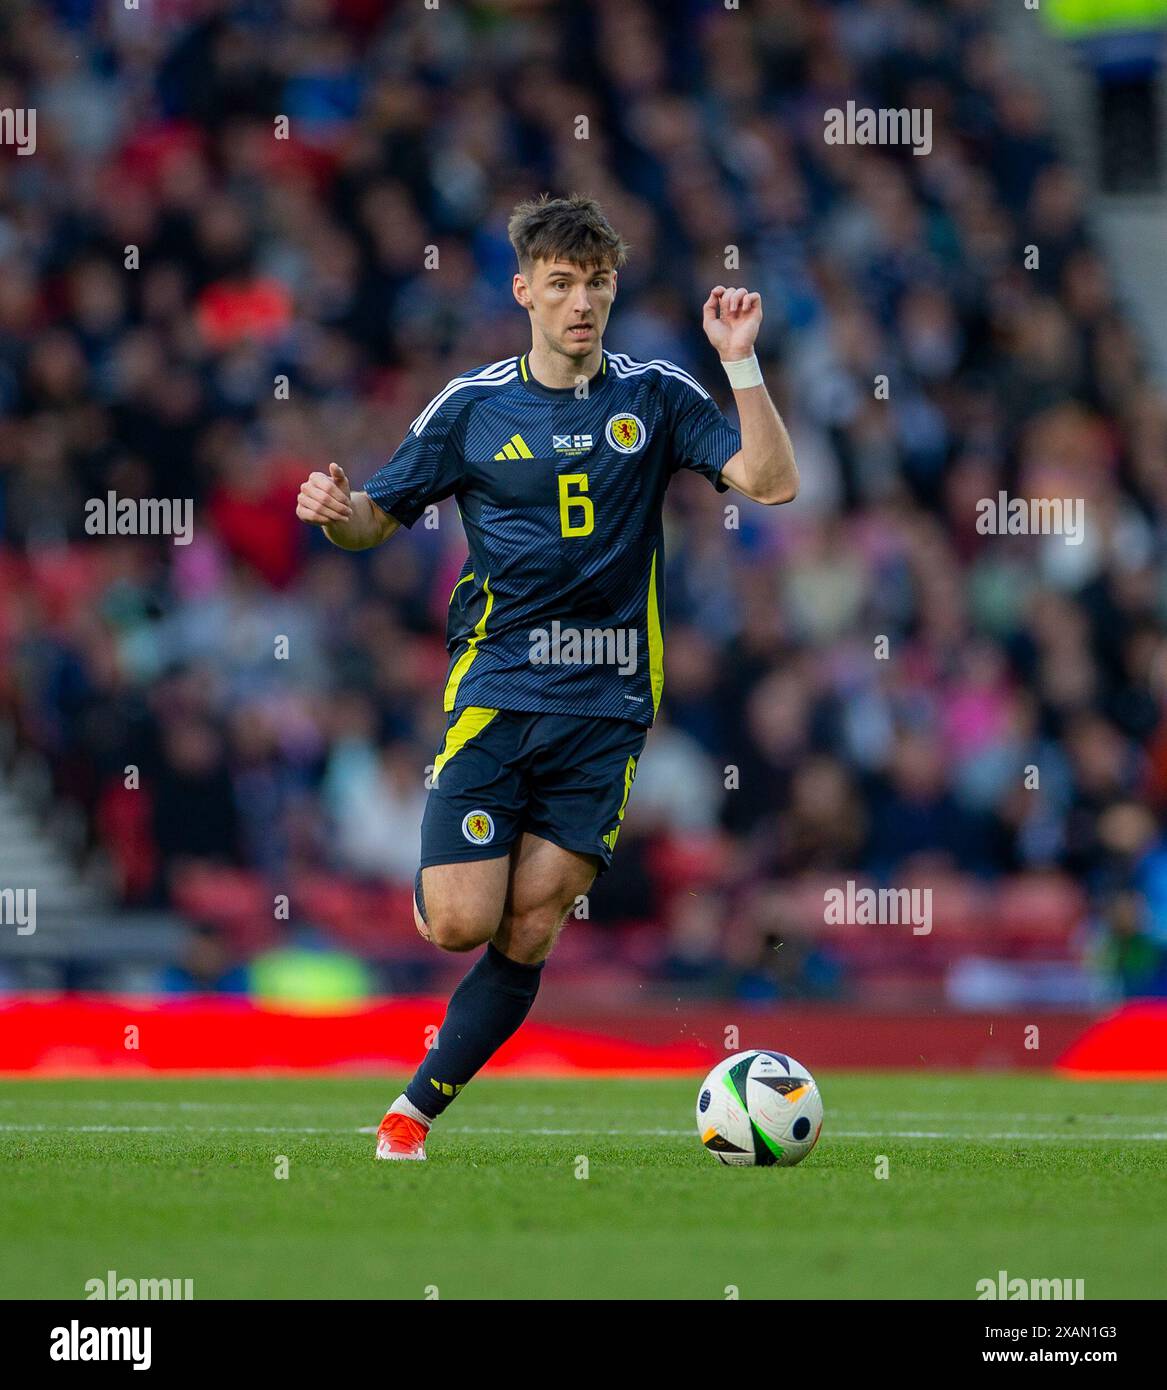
{"points": [[454, 930]]}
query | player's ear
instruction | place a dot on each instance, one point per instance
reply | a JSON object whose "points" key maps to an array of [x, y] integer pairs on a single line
{"points": [[521, 290]]}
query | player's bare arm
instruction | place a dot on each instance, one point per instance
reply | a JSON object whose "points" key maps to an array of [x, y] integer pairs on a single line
{"points": [[350, 520], [763, 469]]}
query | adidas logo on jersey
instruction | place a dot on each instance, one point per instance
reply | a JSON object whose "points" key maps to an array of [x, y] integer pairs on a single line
{"points": [[515, 448]]}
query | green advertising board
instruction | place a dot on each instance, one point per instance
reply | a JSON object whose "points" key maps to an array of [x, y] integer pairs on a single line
{"points": [[1084, 18]]}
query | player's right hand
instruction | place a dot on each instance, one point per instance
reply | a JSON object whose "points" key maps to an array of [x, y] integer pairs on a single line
{"points": [[325, 497]]}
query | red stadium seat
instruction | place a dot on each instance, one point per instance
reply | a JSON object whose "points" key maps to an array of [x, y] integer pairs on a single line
{"points": [[238, 902], [1041, 911]]}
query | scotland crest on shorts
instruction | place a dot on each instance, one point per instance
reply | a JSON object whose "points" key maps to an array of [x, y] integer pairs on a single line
{"points": [[478, 827]]}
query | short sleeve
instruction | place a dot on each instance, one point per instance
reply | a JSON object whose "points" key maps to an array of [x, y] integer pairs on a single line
{"points": [[702, 438], [428, 465]]}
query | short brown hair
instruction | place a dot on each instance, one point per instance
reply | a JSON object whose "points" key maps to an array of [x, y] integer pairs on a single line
{"points": [[571, 229]]}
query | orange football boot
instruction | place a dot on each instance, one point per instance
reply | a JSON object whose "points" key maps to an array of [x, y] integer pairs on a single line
{"points": [[401, 1136]]}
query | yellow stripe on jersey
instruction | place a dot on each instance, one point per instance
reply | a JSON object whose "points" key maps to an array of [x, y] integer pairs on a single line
{"points": [[457, 586], [469, 724], [466, 660], [656, 643], [527, 376]]}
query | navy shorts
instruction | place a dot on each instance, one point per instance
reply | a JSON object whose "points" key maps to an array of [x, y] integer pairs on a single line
{"points": [[563, 777]]}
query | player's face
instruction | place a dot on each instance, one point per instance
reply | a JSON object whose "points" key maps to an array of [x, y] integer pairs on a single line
{"points": [[569, 305]]}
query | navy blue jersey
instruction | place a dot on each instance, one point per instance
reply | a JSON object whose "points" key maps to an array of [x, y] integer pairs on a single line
{"points": [[559, 608]]}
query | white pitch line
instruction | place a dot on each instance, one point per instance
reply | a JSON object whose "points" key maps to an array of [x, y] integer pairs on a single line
{"points": [[1069, 1135], [828, 1132], [985, 1137], [168, 1129], [871, 1116], [973, 1117]]}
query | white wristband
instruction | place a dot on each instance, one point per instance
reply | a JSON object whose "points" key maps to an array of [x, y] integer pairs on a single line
{"points": [[744, 373]]}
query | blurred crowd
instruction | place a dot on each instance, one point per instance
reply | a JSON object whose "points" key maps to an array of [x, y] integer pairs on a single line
{"points": [[861, 683]]}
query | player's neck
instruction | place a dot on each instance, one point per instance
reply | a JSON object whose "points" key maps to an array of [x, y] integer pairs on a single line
{"points": [[559, 373]]}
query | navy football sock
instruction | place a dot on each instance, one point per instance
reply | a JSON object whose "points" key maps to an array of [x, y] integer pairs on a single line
{"points": [[486, 1008]]}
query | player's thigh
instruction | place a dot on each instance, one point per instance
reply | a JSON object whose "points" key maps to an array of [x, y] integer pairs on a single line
{"points": [[464, 901], [544, 883], [546, 877], [471, 823]]}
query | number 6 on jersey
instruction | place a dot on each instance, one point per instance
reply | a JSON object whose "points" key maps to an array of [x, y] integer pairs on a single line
{"points": [[585, 513]]}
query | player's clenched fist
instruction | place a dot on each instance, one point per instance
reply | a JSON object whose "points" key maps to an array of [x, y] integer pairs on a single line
{"points": [[325, 497], [731, 319]]}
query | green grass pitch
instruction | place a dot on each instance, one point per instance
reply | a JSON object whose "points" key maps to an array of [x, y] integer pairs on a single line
{"points": [[1041, 1177]]}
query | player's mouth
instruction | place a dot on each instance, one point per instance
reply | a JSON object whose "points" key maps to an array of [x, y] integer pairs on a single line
{"points": [[580, 331]]}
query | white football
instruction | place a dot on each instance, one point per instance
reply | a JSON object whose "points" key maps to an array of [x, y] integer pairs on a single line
{"points": [[759, 1108]]}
